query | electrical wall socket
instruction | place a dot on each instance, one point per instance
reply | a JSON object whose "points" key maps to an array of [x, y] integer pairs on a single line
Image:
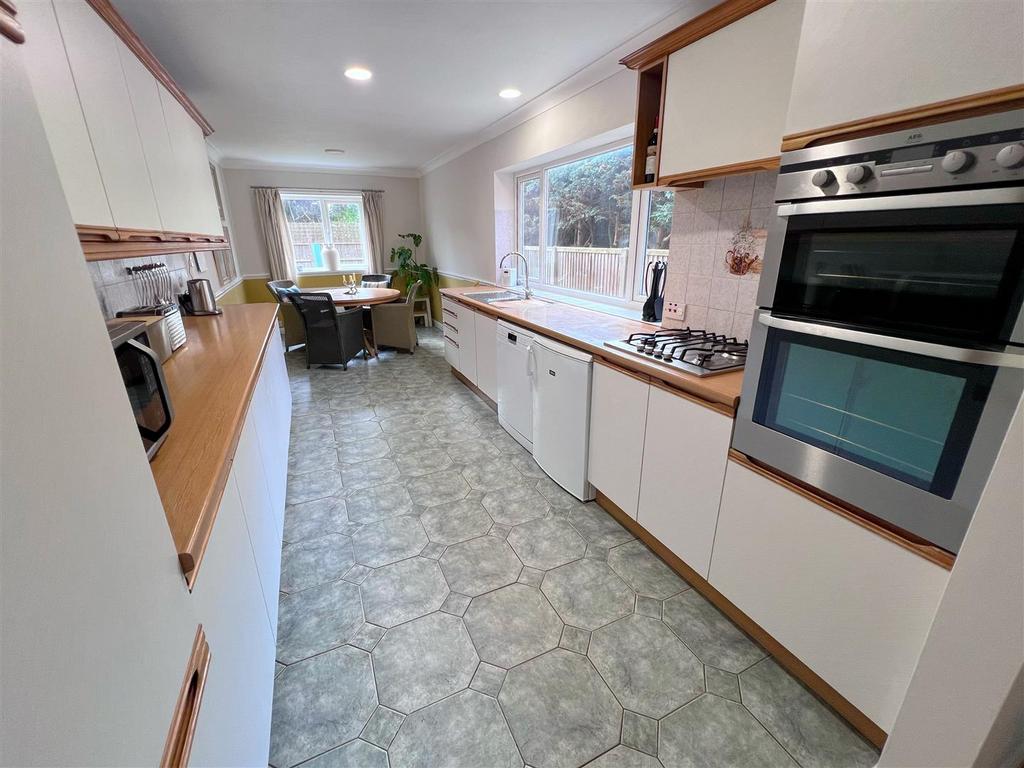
{"points": [[675, 309]]}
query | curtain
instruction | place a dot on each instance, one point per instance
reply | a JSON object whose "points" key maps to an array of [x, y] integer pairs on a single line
{"points": [[373, 215], [270, 214]]}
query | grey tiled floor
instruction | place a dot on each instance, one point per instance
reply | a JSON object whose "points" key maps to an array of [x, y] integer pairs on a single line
{"points": [[445, 604]]}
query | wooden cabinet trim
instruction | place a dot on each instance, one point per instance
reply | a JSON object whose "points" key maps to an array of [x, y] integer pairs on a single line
{"points": [[721, 408], [623, 371], [698, 177], [973, 105], [116, 22], [9, 26], [829, 695], [107, 243], [722, 15], [858, 517], [181, 734]]}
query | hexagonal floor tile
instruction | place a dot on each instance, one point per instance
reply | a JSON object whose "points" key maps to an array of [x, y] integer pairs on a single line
{"points": [[438, 488], [625, 757], [313, 485], [471, 450], [513, 506], [492, 474], [452, 523], [320, 703], [315, 561], [423, 661], [363, 450], [560, 711], [422, 462], [456, 432], [355, 754], [402, 591], [644, 571], [597, 526], [312, 519], [808, 730], [712, 732], [649, 670], [512, 624], [480, 565], [317, 619], [388, 541], [464, 730], [587, 593], [709, 634], [547, 543], [368, 474], [372, 504]]}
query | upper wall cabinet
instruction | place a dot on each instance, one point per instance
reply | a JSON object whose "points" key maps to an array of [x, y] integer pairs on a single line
{"points": [[130, 147], [859, 63], [92, 50], [719, 86]]}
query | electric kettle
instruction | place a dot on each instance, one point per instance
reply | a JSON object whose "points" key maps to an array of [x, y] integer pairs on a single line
{"points": [[200, 299]]}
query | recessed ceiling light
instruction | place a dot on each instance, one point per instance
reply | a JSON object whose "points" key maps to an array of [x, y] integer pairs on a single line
{"points": [[358, 73], [510, 93], [332, 151]]}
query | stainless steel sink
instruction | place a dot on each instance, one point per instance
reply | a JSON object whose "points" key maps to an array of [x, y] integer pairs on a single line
{"points": [[489, 297]]}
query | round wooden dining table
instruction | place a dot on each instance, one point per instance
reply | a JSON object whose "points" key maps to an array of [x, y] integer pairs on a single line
{"points": [[363, 297]]}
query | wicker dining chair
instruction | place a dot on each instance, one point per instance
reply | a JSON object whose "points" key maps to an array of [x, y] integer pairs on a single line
{"points": [[393, 324], [375, 281], [294, 329], [332, 337]]}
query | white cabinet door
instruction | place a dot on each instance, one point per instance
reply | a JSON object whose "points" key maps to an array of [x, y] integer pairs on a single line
{"points": [[171, 197], [686, 447], [92, 50], [850, 604], [451, 348], [63, 120], [618, 420], [486, 354], [271, 409], [885, 57], [234, 721], [201, 214], [467, 343], [260, 517], [726, 94]]}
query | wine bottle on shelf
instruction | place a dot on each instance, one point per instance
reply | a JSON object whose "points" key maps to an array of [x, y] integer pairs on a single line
{"points": [[651, 162]]}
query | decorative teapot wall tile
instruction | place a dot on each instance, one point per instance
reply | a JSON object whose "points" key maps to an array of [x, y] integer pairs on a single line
{"points": [[746, 249]]}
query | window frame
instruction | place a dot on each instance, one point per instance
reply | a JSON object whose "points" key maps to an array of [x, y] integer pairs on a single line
{"points": [[325, 198], [636, 251]]}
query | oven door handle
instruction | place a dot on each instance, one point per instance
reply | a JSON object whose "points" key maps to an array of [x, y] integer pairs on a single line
{"points": [[897, 344], [955, 198]]}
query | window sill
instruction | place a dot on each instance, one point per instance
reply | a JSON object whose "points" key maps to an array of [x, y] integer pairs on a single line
{"points": [[330, 273], [627, 313]]}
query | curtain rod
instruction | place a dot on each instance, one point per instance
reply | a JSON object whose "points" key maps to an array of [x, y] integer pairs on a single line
{"points": [[312, 189]]}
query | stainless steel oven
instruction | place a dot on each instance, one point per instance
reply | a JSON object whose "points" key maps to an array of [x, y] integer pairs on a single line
{"points": [[887, 355]]}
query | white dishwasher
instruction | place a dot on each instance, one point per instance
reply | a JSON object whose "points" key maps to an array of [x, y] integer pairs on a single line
{"points": [[561, 413], [515, 389]]}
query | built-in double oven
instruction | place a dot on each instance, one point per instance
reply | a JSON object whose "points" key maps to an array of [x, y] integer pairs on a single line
{"points": [[887, 355]]}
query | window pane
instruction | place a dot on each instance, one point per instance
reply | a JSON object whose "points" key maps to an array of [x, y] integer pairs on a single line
{"points": [[657, 233], [346, 231], [589, 205], [528, 206], [305, 227]]}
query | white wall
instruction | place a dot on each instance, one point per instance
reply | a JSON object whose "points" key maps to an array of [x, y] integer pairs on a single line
{"points": [[402, 211], [964, 705], [463, 200]]}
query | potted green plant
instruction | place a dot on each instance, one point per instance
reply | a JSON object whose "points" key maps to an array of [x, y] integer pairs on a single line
{"points": [[408, 269]]}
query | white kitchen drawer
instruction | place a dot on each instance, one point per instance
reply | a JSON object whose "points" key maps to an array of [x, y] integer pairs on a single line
{"points": [[451, 350], [467, 343], [450, 311]]}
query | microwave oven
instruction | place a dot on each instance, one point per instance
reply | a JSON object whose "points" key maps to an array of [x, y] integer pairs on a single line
{"points": [[144, 382]]}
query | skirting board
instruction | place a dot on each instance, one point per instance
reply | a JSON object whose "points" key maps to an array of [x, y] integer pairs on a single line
{"points": [[815, 684], [475, 390]]}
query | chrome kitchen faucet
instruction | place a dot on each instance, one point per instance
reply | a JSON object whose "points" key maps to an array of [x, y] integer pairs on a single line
{"points": [[526, 271]]}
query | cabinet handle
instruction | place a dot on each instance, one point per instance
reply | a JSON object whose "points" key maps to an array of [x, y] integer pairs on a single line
{"points": [[450, 326], [178, 746], [453, 314], [453, 341], [624, 371]]}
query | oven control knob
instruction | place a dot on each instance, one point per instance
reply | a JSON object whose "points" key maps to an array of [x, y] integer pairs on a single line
{"points": [[823, 178], [858, 174], [957, 160], [1011, 156]]}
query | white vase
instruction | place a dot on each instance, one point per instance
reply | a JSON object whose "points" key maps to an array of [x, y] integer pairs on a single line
{"points": [[332, 259]]}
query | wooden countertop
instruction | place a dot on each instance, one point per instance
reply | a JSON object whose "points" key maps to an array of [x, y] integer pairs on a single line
{"points": [[588, 330], [210, 381]]}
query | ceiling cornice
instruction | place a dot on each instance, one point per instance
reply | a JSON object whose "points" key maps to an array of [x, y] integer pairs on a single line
{"points": [[596, 72], [233, 164]]}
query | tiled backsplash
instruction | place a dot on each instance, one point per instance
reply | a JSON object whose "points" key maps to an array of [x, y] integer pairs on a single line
{"points": [[117, 291], [716, 233]]}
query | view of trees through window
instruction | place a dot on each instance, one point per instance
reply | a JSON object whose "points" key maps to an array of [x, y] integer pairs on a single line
{"points": [[591, 243], [316, 222]]}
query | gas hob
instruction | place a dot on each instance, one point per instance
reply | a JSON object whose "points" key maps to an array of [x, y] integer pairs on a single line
{"points": [[690, 350]]}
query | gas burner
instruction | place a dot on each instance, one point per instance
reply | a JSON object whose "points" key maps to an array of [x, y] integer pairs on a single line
{"points": [[692, 350]]}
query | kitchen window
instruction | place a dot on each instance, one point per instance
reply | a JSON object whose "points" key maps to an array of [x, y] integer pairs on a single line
{"points": [[319, 221], [599, 236]]}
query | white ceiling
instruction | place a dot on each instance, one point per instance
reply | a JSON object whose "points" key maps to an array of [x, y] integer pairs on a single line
{"points": [[268, 73]]}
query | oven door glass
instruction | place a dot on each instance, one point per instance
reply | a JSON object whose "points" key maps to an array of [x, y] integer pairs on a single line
{"points": [[144, 383], [938, 274], [905, 415]]}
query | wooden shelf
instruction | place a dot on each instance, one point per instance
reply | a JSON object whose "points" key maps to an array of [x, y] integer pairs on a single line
{"points": [[650, 104], [107, 243]]}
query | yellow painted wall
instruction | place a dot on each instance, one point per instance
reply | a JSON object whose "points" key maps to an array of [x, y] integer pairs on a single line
{"points": [[234, 295]]}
